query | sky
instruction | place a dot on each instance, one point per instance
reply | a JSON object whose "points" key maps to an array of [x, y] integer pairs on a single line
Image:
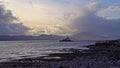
{"points": [[60, 17]]}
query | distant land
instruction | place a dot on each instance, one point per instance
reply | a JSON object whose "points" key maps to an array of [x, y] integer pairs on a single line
{"points": [[41, 37], [88, 36], [79, 36]]}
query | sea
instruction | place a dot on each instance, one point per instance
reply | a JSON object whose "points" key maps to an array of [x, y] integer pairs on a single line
{"points": [[11, 50]]}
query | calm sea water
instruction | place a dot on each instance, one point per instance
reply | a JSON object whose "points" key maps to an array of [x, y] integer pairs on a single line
{"points": [[10, 50]]}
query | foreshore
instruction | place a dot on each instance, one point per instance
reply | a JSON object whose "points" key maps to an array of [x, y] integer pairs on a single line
{"points": [[100, 55]]}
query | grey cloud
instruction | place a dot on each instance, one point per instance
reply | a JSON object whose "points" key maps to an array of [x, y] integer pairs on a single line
{"points": [[110, 12], [95, 24], [92, 23], [9, 24]]}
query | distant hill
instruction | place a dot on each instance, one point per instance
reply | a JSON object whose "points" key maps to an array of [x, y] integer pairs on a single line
{"points": [[79, 36], [41, 37], [50, 37], [88, 36]]}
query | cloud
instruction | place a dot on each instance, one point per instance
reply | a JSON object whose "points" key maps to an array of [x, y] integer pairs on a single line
{"points": [[110, 12], [88, 20], [84, 18], [9, 24], [77, 17], [93, 6]]}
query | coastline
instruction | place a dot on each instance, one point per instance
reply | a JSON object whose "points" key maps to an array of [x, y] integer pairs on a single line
{"points": [[100, 55]]}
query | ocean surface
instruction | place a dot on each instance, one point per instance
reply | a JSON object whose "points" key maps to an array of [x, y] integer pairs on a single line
{"points": [[10, 50]]}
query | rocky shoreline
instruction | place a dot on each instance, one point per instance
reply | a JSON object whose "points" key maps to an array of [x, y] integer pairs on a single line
{"points": [[100, 55]]}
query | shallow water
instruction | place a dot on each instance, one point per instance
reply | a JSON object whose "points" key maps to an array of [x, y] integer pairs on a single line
{"points": [[10, 50]]}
